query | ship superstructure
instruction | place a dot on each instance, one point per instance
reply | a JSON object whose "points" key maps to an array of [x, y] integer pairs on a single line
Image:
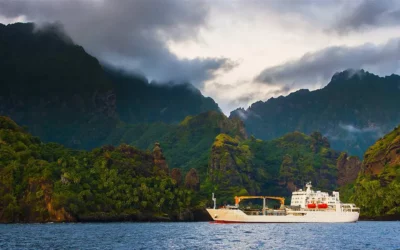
{"points": [[306, 206]]}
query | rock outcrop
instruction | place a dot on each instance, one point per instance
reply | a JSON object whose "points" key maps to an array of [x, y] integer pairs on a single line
{"points": [[159, 159], [348, 169], [385, 152], [192, 180], [176, 174], [228, 164]]}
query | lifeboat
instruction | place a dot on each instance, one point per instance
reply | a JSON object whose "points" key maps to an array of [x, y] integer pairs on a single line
{"points": [[322, 205], [311, 205]]}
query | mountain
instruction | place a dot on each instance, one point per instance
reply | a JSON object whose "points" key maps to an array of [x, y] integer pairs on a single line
{"points": [[276, 167], [353, 111], [64, 95], [377, 188], [54, 87], [41, 182]]}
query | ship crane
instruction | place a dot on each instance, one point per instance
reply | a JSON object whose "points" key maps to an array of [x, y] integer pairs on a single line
{"points": [[264, 198]]}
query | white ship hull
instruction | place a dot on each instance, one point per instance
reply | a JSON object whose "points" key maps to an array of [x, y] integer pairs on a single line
{"points": [[238, 216]]}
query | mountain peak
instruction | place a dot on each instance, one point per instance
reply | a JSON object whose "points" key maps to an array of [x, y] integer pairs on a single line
{"points": [[50, 30], [354, 75]]}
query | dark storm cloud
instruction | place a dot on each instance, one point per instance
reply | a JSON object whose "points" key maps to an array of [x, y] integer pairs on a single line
{"points": [[368, 14], [318, 67], [130, 34]]}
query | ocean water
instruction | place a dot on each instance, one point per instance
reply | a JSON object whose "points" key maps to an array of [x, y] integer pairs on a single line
{"points": [[200, 235]]}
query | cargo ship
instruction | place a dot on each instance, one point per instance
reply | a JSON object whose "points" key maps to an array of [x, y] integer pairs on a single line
{"points": [[307, 206]]}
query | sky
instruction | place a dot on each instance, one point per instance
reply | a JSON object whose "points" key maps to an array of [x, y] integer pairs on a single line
{"points": [[237, 52]]}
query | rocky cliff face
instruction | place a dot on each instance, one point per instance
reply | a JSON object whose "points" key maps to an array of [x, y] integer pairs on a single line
{"points": [[176, 174], [159, 159], [386, 151], [348, 169], [192, 180], [377, 189], [229, 163]]}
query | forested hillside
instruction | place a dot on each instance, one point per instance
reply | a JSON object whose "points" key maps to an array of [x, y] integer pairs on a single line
{"points": [[47, 182]]}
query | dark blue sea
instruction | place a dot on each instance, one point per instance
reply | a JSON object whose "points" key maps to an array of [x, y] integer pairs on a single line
{"points": [[200, 235]]}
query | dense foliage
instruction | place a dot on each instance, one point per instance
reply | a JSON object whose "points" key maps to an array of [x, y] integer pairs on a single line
{"points": [[353, 110], [43, 182], [379, 195], [277, 167]]}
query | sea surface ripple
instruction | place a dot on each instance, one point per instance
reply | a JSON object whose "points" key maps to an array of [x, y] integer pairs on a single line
{"points": [[200, 235]]}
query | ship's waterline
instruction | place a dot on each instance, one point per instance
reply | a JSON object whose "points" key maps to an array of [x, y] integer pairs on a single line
{"points": [[238, 216]]}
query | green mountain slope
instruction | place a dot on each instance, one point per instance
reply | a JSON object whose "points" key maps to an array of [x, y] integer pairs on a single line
{"points": [[64, 95], [353, 111]]}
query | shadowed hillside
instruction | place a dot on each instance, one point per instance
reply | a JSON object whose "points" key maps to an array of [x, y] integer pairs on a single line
{"points": [[63, 94]]}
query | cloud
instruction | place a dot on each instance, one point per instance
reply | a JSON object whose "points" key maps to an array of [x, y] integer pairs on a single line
{"points": [[354, 132], [352, 129], [367, 14], [316, 68], [129, 34], [241, 93]]}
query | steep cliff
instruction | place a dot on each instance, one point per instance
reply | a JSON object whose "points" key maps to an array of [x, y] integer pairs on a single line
{"points": [[230, 167], [377, 188], [348, 169], [386, 151], [159, 160]]}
